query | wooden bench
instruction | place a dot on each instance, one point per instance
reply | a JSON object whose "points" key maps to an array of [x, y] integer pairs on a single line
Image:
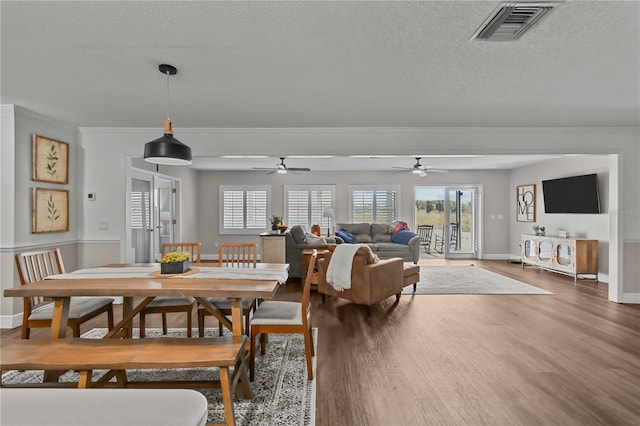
{"points": [[119, 355]]}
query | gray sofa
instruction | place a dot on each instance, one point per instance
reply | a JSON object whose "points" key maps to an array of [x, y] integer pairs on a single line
{"points": [[378, 237], [297, 239]]}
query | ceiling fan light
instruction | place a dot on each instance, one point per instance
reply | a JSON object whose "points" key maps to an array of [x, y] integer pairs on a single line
{"points": [[417, 171], [282, 171]]}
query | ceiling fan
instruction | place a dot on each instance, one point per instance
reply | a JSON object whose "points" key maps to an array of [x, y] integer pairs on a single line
{"points": [[420, 169], [282, 168]]}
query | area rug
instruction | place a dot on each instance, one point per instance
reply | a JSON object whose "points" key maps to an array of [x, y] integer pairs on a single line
{"points": [[282, 394], [468, 280]]}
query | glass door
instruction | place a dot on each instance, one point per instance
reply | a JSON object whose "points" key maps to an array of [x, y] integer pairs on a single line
{"points": [[164, 208], [141, 218], [153, 213], [460, 231], [452, 212]]}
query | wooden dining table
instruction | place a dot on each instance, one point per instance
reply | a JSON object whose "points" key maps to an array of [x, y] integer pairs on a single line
{"points": [[143, 288]]}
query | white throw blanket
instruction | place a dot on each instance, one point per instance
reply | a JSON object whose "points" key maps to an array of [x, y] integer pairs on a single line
{"points": [[339, 270]]}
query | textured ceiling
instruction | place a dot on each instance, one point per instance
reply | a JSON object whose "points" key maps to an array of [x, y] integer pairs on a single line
{"points": [[319, 64]]}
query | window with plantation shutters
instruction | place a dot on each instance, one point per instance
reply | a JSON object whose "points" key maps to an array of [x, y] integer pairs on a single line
{"points": [[374, 204], [305, 204], [244, 209]]}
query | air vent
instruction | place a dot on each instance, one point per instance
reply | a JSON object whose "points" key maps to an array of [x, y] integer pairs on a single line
{"points": [[510, 20]]}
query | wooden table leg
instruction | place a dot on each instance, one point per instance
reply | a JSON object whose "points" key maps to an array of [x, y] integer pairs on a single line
{"points": [[127, 306], [60, 317], [236, 316], [58, 330]]}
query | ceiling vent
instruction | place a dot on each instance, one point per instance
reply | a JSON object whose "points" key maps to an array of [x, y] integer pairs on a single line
{"points": [[510, 20]]}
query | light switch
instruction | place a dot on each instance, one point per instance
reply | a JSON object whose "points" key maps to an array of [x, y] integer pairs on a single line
{"points": [[103, 226]]}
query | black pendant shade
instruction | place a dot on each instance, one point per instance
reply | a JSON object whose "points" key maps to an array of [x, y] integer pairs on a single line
{"points": [[167, 149]]}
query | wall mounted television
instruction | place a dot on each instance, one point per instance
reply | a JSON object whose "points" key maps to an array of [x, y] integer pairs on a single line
{"points": [[575, 194]]}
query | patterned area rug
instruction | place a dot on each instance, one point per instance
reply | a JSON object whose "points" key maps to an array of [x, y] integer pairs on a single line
{"points": [[468, 280], [282, 394]]}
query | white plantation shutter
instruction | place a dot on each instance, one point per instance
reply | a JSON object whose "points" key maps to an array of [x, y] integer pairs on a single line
{"points": [[374, 204], [244, 209], [305, 204]]}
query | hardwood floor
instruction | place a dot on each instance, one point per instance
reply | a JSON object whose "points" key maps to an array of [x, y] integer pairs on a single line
{"points": [[568, 359]]}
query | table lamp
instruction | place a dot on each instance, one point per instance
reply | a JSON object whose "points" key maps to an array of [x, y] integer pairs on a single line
{"points": [[328, 213]]}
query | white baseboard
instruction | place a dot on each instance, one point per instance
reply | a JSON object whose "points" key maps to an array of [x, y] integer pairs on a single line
{"points": [[11, 321], [631, 298], [499, 257]]}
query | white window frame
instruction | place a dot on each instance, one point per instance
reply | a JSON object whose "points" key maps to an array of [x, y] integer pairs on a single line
{"points": [[321, 220], [244, 188], [374, 188]]}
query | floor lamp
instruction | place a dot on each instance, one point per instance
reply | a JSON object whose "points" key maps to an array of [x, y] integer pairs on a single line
{"points": [[328, 213]]}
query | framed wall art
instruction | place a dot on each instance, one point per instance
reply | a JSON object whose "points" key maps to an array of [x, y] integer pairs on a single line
{"points": [[49, 210], [50, 160], [526, 203]]}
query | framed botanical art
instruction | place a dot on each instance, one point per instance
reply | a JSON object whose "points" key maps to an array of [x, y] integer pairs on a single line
{"points": [[50, 160], [49, 210], [526, 203]]}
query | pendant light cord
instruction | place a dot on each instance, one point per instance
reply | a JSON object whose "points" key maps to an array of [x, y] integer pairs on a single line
{"points": [[168, 117]]}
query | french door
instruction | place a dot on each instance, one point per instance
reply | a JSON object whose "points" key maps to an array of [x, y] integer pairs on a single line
{"points": [[461, 236], [453, 213], [152, 212]]}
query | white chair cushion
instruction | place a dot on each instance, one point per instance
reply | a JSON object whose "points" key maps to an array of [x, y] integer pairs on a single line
{"points": [[278, 313], [161, 302], [224, 303], [93, 407], [79, 306]]}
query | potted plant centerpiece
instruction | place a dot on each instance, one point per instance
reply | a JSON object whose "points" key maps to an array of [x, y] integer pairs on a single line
{"points": [[175, 262]]}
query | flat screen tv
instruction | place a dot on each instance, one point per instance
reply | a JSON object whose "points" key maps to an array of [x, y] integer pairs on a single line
{"points": [[575, 194]]}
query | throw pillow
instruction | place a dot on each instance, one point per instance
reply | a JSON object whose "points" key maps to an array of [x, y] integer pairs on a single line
{"points": [[402, 237], [298, 234], [315, 241], [346, 236], [398, 225]]}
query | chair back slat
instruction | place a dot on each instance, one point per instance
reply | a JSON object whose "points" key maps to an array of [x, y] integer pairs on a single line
{"points": [[306, 289], [37, 265], [193, 248], [238, 254]]}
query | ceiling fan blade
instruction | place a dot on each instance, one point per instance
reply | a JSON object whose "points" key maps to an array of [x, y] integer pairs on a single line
{"points": [[436, 170], [271, 172], [402, 168], [298, 169], [263, 168]]}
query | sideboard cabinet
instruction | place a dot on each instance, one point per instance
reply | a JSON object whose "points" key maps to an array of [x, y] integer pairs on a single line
{"points": [[571, 256]]}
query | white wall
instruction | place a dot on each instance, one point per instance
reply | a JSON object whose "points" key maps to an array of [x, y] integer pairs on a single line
{"points": [[495, 183], [18, 126], [106, 149], [589, 226]]}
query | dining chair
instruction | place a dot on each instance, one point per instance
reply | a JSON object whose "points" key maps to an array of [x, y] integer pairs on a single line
{"points": [[232, 255], [167, 304], [285, 317], [38, 312]]}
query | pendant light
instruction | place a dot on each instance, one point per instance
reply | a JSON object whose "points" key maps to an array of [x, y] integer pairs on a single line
{"points": [[167, 149]]}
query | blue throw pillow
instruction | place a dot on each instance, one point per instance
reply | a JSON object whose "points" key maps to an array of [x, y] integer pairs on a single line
{"points": [[346, 236], [402, 237]]}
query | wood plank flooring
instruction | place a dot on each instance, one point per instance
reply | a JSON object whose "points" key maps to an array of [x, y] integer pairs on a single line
{"points": [[572, 358]]}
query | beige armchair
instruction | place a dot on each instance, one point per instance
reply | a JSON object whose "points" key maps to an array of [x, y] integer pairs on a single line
{"points": [[371, 281]]}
